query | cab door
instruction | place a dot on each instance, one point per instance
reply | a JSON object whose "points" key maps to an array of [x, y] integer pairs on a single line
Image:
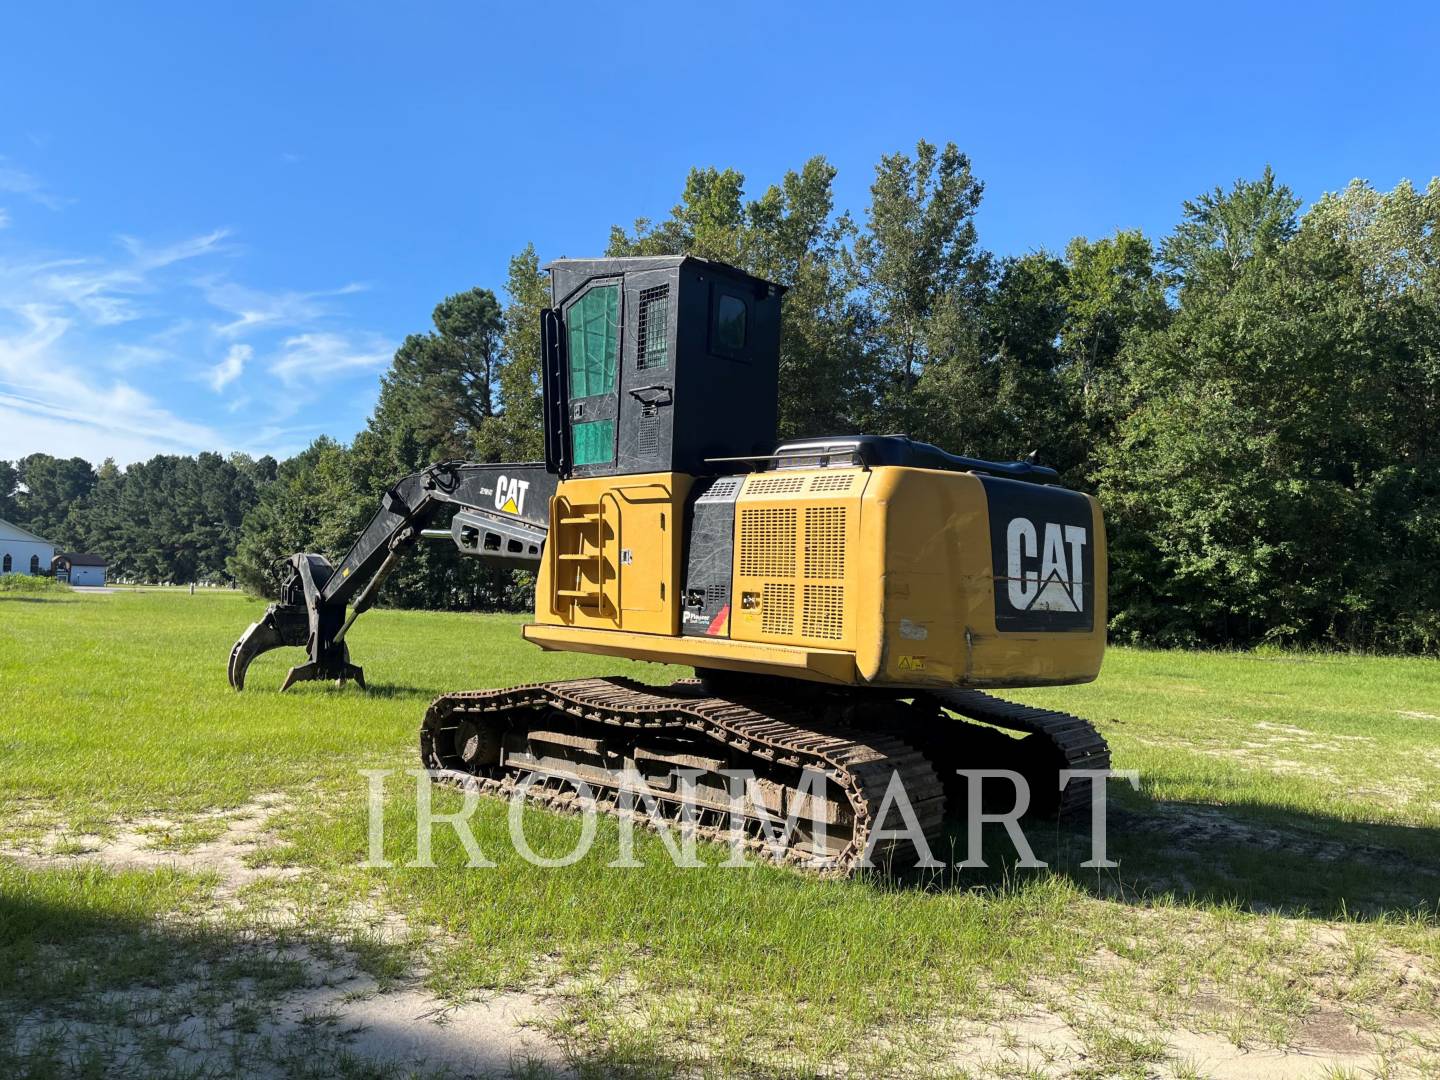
{"points": [[593, 327]]}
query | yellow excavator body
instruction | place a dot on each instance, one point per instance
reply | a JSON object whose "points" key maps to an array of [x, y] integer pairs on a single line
{"points": [[881, 577]]}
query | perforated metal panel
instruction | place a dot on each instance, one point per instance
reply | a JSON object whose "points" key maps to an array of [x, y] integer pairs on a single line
{"points": [[836, 483], [722, 489], [648, 439], [767, 542], [823, 612], [825, 532], [795, 560], [777, 608], [776, 485]]}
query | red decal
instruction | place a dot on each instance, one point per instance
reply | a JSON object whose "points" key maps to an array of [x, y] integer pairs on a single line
{"points": [[717, 625]]}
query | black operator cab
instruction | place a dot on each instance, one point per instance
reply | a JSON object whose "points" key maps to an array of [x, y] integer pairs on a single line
{"points": [[656, 364]]}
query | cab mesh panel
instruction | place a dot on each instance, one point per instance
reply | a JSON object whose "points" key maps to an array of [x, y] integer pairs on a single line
{"points": [[593, 443], [651, 332], [594, 331]]}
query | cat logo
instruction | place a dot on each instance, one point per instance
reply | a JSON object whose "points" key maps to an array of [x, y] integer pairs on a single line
{"points": [[1045, 567], [1043, 543], [510, 494], [912, 663]]}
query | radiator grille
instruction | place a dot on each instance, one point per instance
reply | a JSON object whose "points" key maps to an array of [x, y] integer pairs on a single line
{"points": [[825, 541], [793, 560], [777, 608], [823, 614], [776, 485], [767, 542]]}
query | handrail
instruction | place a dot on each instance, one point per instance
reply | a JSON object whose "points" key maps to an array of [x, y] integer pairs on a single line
{"points": [[552, 553], [619, 518]]}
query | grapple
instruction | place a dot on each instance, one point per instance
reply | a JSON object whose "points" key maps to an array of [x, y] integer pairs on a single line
{"points": [[302, 618]]}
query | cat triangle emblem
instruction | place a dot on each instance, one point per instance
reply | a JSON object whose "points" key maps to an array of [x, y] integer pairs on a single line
{"points": [[1054, 595]]}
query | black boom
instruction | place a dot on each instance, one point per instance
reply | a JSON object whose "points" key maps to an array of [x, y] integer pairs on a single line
{"points": [[500, 514]]}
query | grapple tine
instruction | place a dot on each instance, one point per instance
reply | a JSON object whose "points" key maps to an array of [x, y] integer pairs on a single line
{"points": [[338, 669], [276, 628]]}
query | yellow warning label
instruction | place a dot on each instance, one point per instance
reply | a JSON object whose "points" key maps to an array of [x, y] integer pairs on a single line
{"points": [[510, 507], [912, 663]]}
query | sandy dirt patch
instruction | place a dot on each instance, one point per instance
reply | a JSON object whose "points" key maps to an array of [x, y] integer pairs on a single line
{"points": [[327, 1008]]}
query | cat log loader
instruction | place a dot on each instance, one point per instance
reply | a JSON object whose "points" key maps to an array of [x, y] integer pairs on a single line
{"points": [[843, 601]]}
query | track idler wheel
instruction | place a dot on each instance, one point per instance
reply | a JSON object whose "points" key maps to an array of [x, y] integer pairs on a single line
{"points": [[458, 744]]}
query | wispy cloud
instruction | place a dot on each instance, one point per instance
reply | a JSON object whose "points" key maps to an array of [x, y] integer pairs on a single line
{"points": [[15, 181], [312, 358], [4, 218], [106, 290], [255, 309], [150, 258], [37, 385], [61, 366], [229, 369], [154, 348], [114, 351]]}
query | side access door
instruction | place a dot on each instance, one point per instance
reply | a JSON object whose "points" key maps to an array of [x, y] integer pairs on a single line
{"points": [[593, 331]]}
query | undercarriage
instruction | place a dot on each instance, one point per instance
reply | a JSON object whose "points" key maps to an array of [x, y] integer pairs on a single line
{"points": [[796, 777]]}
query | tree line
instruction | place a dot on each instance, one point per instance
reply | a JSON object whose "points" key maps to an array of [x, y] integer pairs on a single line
{"points": [[170, 519], [1253, 397]]}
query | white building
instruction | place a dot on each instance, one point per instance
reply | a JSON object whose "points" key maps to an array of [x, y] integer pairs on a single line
{"points": [[23, 552], [79, 569]]}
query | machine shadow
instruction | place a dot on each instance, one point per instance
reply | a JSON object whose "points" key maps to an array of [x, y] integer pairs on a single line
{"points": [[84, 985], [259, 681], [1255, 856], [400, 692]]}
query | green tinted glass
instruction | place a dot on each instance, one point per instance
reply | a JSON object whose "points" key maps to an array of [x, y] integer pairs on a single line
{"points": [[593, 443], [594, 324]]}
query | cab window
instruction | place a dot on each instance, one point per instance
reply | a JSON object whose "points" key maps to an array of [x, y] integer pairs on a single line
{"points": [[730, 317], [594, 322]]}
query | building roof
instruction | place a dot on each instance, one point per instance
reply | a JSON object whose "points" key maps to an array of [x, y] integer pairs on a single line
{"points": [[24, 534], [76, 558]]}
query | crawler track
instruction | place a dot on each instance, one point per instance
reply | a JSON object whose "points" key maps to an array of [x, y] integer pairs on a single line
{"points": [[814, 765], [1057, 741], [554, 734]]}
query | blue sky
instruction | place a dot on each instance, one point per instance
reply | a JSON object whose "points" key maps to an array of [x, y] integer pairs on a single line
{"points": [[217, 221]]}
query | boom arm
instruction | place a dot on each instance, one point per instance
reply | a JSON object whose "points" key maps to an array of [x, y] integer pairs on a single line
{"points": [[501, 515]]}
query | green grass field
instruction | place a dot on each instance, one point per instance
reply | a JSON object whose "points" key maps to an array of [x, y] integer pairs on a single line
{"points": [[182, 865]]}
